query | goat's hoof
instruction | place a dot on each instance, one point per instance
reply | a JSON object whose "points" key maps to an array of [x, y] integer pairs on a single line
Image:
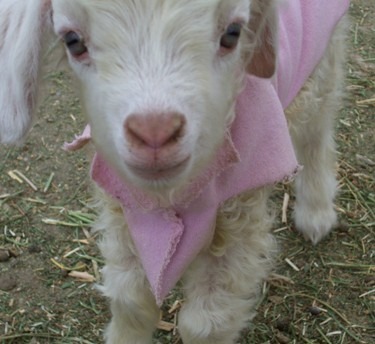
{"points": [[315, 225]]}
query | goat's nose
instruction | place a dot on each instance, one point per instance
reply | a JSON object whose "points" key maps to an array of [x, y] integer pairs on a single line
{"points": [[154, 131]]}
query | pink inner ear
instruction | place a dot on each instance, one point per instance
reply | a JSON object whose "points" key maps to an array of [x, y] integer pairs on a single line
{"points": [[263, 25], [263, 62], [262, 65]]}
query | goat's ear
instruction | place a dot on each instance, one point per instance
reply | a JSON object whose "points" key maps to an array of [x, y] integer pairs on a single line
{"points": [[262, 27], [22, 23]]}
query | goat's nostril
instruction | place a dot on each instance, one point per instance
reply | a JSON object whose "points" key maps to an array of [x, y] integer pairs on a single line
{"points": [[154, 131]]}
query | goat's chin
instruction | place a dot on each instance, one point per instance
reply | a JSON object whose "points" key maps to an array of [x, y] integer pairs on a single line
{"points": [[161, 183], [165, 181], [159, 173]]}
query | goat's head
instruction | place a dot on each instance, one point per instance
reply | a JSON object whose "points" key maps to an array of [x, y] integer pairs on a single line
{"points": [[159, 78]]}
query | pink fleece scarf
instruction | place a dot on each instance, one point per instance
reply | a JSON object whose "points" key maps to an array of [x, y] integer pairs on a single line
{"points": [[257, 151]]}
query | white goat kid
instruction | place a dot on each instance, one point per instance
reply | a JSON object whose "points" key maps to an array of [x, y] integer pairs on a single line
{"points": [[159, 81]]}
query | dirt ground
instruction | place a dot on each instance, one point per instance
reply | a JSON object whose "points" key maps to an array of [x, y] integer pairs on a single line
{"points": [[323, 294]]}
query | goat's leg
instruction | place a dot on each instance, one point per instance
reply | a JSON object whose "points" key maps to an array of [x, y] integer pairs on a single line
{"points": [[134, 311], [311, 122], [315, 186], [222, 286], [214, 315]]}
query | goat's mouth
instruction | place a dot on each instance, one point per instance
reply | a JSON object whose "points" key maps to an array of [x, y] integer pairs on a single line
{"points": [[159, 173]]}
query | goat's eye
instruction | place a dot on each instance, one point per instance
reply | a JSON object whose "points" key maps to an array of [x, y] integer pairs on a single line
{"points": [[229, 39], [75, 43]]}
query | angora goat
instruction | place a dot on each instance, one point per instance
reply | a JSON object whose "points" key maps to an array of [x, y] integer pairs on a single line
{"points": [[195, 108]]}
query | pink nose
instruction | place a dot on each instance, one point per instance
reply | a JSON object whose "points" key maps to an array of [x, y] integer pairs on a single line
{"points": [[154, 131]]}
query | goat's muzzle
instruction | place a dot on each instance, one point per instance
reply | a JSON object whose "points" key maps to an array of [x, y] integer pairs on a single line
{"points": [[154, 142]]}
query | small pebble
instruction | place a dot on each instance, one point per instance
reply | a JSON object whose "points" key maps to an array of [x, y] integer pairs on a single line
{"points": [[283, 325], [343, 227], [314, 310], [282, 339], [7, 283], [4, 256]]}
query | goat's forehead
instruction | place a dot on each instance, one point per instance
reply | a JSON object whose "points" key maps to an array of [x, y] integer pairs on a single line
{"points": [[139, 6], [132, 13]]}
